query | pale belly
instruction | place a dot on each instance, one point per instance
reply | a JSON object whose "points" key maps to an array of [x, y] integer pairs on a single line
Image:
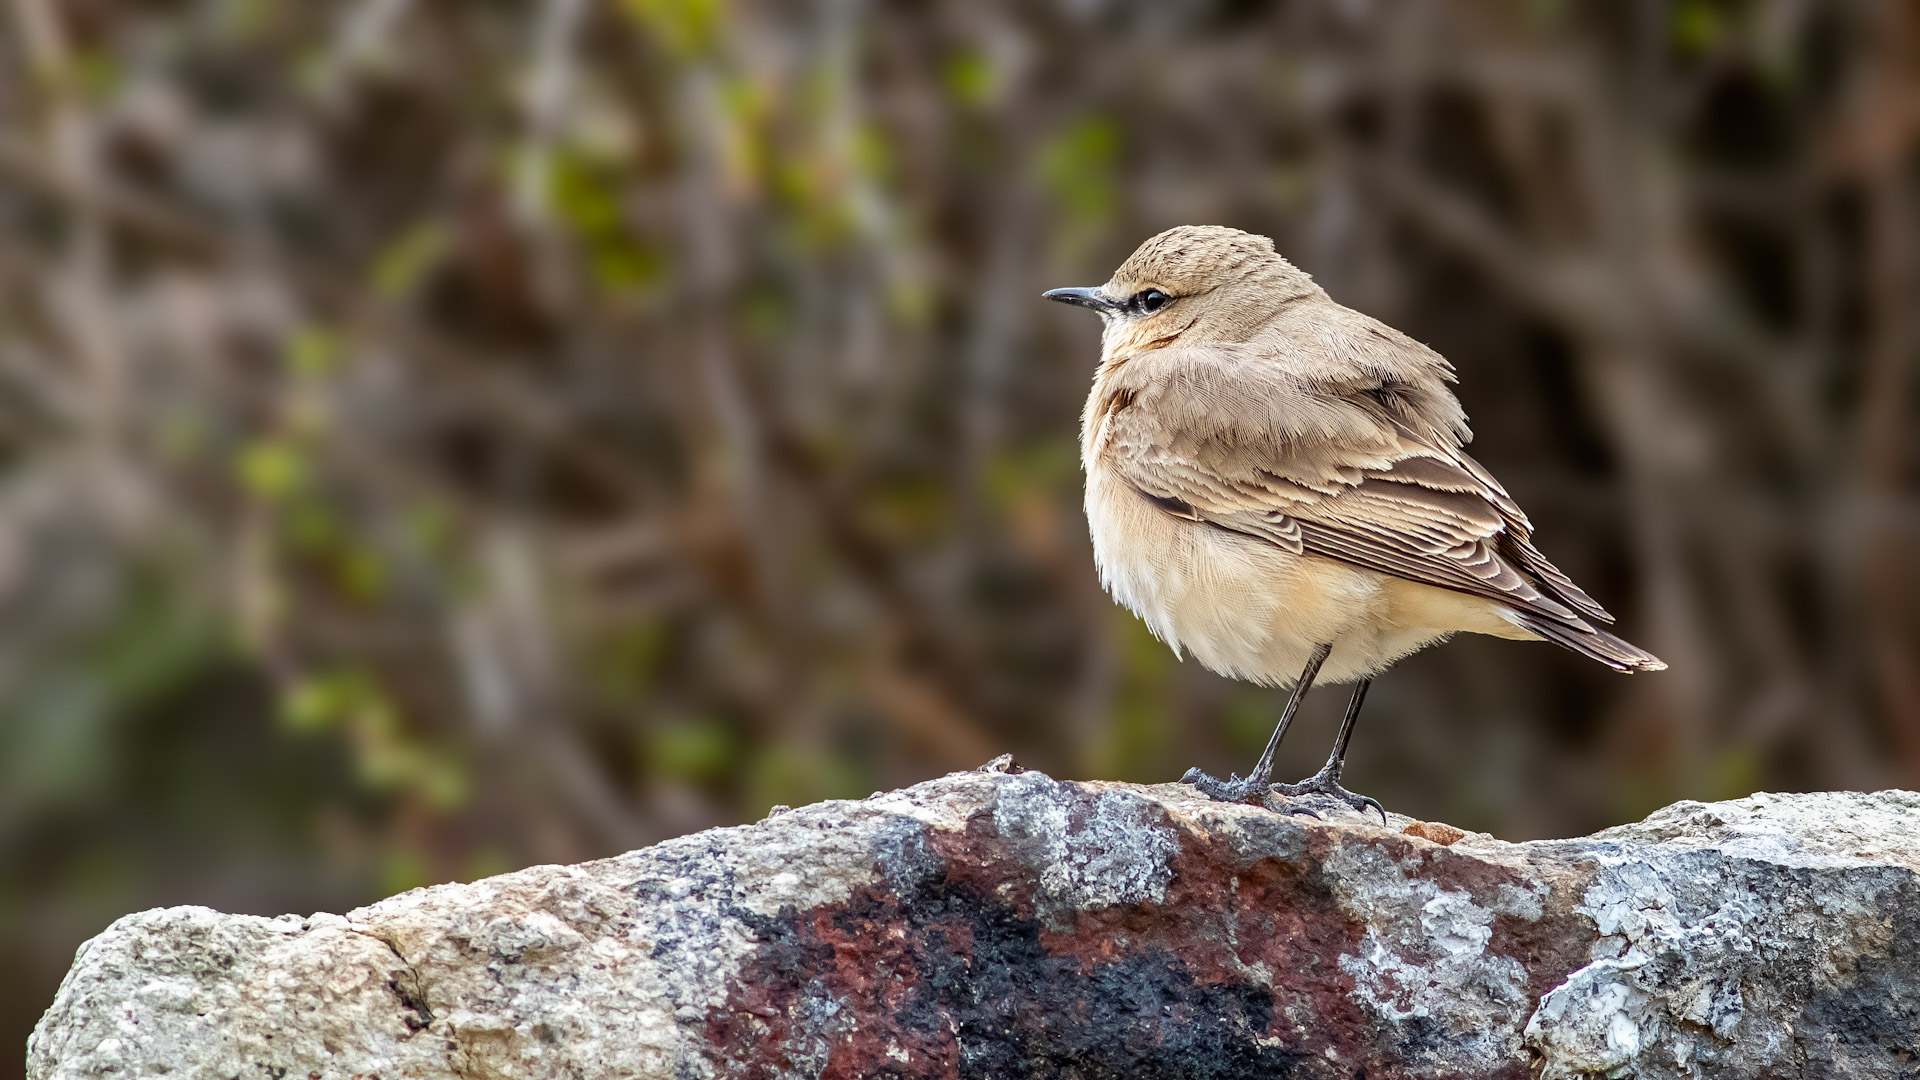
{"points": [[1252, 610]]}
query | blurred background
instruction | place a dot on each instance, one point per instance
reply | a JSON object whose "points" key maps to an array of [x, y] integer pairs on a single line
{"points": [[437, 438]]}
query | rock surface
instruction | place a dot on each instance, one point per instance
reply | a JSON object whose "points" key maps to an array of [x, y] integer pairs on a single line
{"points": [[1003, 924]]}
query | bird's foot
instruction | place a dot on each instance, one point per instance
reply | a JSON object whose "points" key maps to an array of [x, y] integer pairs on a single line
{"points": [[1236, 789], [1327, 783]]}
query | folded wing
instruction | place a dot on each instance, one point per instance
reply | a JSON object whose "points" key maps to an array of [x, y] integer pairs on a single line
{"points": [[1343, 470]]}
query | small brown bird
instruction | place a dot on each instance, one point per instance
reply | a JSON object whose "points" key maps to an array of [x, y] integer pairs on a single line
{"points": [[1275, 484]]}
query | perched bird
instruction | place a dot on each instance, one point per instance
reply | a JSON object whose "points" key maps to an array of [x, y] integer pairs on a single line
{"points": [[1275, 484]]}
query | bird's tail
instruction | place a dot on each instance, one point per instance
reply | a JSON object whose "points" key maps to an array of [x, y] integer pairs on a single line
{"points": [[1615, 652]]}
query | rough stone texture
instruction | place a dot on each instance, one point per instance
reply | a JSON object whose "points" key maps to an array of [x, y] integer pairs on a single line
{"points": [[1003, 924]]}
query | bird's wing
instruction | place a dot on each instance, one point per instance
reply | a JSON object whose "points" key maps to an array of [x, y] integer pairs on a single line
{"points": [[1328, 467]]}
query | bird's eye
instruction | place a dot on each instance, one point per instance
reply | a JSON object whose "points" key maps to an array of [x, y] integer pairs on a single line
{"points": [[1150, 301]]}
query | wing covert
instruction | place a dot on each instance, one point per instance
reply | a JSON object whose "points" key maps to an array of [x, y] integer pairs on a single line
{"points": [[1330, 471]]}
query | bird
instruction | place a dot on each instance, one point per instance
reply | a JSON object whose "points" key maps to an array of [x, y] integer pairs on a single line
{"points": [[1276, 485]]}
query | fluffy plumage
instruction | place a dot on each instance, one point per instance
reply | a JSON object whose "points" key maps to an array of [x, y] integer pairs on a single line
{"points": [[1268, 470]]}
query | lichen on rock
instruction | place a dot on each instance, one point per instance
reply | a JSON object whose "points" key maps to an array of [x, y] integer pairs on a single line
{"points": [[1005, 924]]}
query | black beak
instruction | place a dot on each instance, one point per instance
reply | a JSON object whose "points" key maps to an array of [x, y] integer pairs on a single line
{"points": [[1092, 298]]}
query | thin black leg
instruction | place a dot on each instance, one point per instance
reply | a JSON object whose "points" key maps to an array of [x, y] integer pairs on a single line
{"points": [[1256, 784], [1327, 780], [1337, 760]]}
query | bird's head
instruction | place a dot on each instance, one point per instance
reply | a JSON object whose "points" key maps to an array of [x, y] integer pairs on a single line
{"points": [[1197, 281]]}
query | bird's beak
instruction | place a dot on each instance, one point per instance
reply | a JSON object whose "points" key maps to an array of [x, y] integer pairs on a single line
{"points": [[1085, 297]]}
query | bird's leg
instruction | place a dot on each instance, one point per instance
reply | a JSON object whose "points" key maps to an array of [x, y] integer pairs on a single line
{"points": [[1327, 780], [1257, 783]]}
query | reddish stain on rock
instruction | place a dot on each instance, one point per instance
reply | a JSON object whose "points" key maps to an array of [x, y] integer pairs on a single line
{"points": [[1269, 922], [1437, 831], [953, 969]]}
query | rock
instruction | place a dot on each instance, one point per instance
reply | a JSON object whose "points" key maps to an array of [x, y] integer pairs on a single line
{"points": [[1004, 924]]}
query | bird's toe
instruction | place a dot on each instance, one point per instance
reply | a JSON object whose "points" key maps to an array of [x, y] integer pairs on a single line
{"points": [[1323, 784], [1234, 789]]}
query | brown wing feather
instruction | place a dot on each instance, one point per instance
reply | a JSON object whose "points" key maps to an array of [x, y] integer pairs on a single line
{"points": [[1331, 471]]}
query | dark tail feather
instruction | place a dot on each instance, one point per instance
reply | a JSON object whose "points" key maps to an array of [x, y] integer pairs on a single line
{"points": [[1616, 653]]}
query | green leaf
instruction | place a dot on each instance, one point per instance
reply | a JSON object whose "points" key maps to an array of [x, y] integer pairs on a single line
{"points": [[408, 259], [271, 469], [1079, 167], [686, 27], [695, 750], [1697, 26], [970, 78]]}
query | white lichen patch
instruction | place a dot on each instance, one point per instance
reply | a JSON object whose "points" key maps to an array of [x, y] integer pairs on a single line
{"points": [[1112, 848], [1422, 964], [1832, 829], [1696, 953]]}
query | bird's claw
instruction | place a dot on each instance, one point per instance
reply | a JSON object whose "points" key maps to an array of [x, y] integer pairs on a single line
{"points": [[1323, 783], [1236, 789]]}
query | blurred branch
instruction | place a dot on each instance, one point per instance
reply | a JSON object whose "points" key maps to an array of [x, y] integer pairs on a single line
{"points": [[1572, 291], [1885, 128]]}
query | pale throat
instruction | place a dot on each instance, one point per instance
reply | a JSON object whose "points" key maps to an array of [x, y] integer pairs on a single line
{"points": [[1122, 338]]}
